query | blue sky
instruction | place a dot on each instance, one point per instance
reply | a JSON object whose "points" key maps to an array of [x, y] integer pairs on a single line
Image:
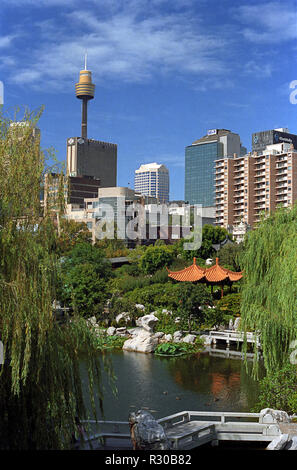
{"points": [[165, 72]]}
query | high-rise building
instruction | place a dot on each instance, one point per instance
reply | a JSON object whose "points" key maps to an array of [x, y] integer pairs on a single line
{"points": [[199, 163], [152, 179], [260, 140], [89, 157], [248, 187]]}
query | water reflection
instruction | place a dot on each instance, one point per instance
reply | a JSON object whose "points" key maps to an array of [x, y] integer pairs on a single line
{"points": [[168, 385]]}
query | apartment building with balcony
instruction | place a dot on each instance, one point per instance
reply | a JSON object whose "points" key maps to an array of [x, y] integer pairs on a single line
{"points": [[249, 187]]}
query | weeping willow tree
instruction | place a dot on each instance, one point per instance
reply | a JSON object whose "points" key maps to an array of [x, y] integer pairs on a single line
{"points": [[269, 293], [41, 391]]}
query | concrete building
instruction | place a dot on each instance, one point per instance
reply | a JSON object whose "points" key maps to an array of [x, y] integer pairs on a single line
{"points": [[249, 186], [199, 163], [152, 179], [260, 140], [88, 157]]}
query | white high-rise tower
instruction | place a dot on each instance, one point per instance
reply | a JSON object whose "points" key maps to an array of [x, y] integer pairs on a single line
{"points": [[152, 179]]}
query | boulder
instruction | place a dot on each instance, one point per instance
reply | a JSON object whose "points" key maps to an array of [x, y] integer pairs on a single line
{"points": [[236, 323], [111, 331], [278, 443], [141, 341], [92, 321], [206, 339], [140, 307], [292, 444], [177, 336], [123, 316], [147, 322], [167, 312], [121, 331], [168, 337], [189, 339], [159, 334], [146, 432], [268, 415]]}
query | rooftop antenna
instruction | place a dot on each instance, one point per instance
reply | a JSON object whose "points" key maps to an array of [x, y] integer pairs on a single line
{"points": [[86, 56]]}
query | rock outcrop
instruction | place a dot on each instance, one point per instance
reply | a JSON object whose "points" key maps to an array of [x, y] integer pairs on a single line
{"points": [[143, 338], [146, 432]]}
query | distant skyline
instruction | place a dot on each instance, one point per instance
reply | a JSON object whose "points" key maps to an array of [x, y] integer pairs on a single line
{"points": [[165, 72]]}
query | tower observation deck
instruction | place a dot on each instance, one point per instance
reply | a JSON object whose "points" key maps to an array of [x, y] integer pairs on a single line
{"points": [[85, 91]]}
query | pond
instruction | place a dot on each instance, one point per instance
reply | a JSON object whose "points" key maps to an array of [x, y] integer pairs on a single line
{"points": [[166, 385]]}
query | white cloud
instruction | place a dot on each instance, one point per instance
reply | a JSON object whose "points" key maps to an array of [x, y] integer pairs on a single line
{"points": [[259, 70], [123, 47], [269, 22], [5, 41]]}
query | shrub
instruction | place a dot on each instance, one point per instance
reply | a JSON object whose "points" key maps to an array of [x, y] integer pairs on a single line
{"points": [[278, 390]]}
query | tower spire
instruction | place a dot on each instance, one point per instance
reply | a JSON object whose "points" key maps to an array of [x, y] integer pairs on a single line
{"points": [[85, 91]]}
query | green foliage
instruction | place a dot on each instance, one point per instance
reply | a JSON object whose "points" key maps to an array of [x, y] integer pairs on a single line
{"points": [[84, 279], [269, 293], [192, 301], [110, 342], [156, 257], [170, 349], [112, 247], [71, 233], [84, 290], [230, 304], [210, 236], [229, 256], [278, 390], [166, 323], [40, 383]]}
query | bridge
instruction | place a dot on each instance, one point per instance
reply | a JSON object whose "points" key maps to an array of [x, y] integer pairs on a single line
{"points": [[229, 336], [187, 430]]}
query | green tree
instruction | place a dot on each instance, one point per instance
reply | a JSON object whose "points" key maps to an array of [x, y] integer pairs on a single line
{"points": [[193, 298], [230, 254], [71, 233], [269, 291], [156, 257], [210, 236], [40, 384], [84, 279]]}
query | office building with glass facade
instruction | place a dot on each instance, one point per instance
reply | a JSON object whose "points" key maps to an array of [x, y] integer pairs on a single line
{"points": [[199, 164]]}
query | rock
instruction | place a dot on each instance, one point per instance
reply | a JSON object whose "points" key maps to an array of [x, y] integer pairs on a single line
{"points": [[177, 320], [177, 336], [146, 432], [168, 337], [140, 307], [111, 331], [123, 316], [206, 339], [167, 312], [268, 415], [278, 443], [292, 443], [142, 341], [92, 321], [236, 323], [189, 339], [121, 331], [147, 322], [159, 334]]}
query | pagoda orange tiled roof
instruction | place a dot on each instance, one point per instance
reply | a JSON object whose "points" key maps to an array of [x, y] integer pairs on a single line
{"points": [[191, 273], [214, 274]]}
